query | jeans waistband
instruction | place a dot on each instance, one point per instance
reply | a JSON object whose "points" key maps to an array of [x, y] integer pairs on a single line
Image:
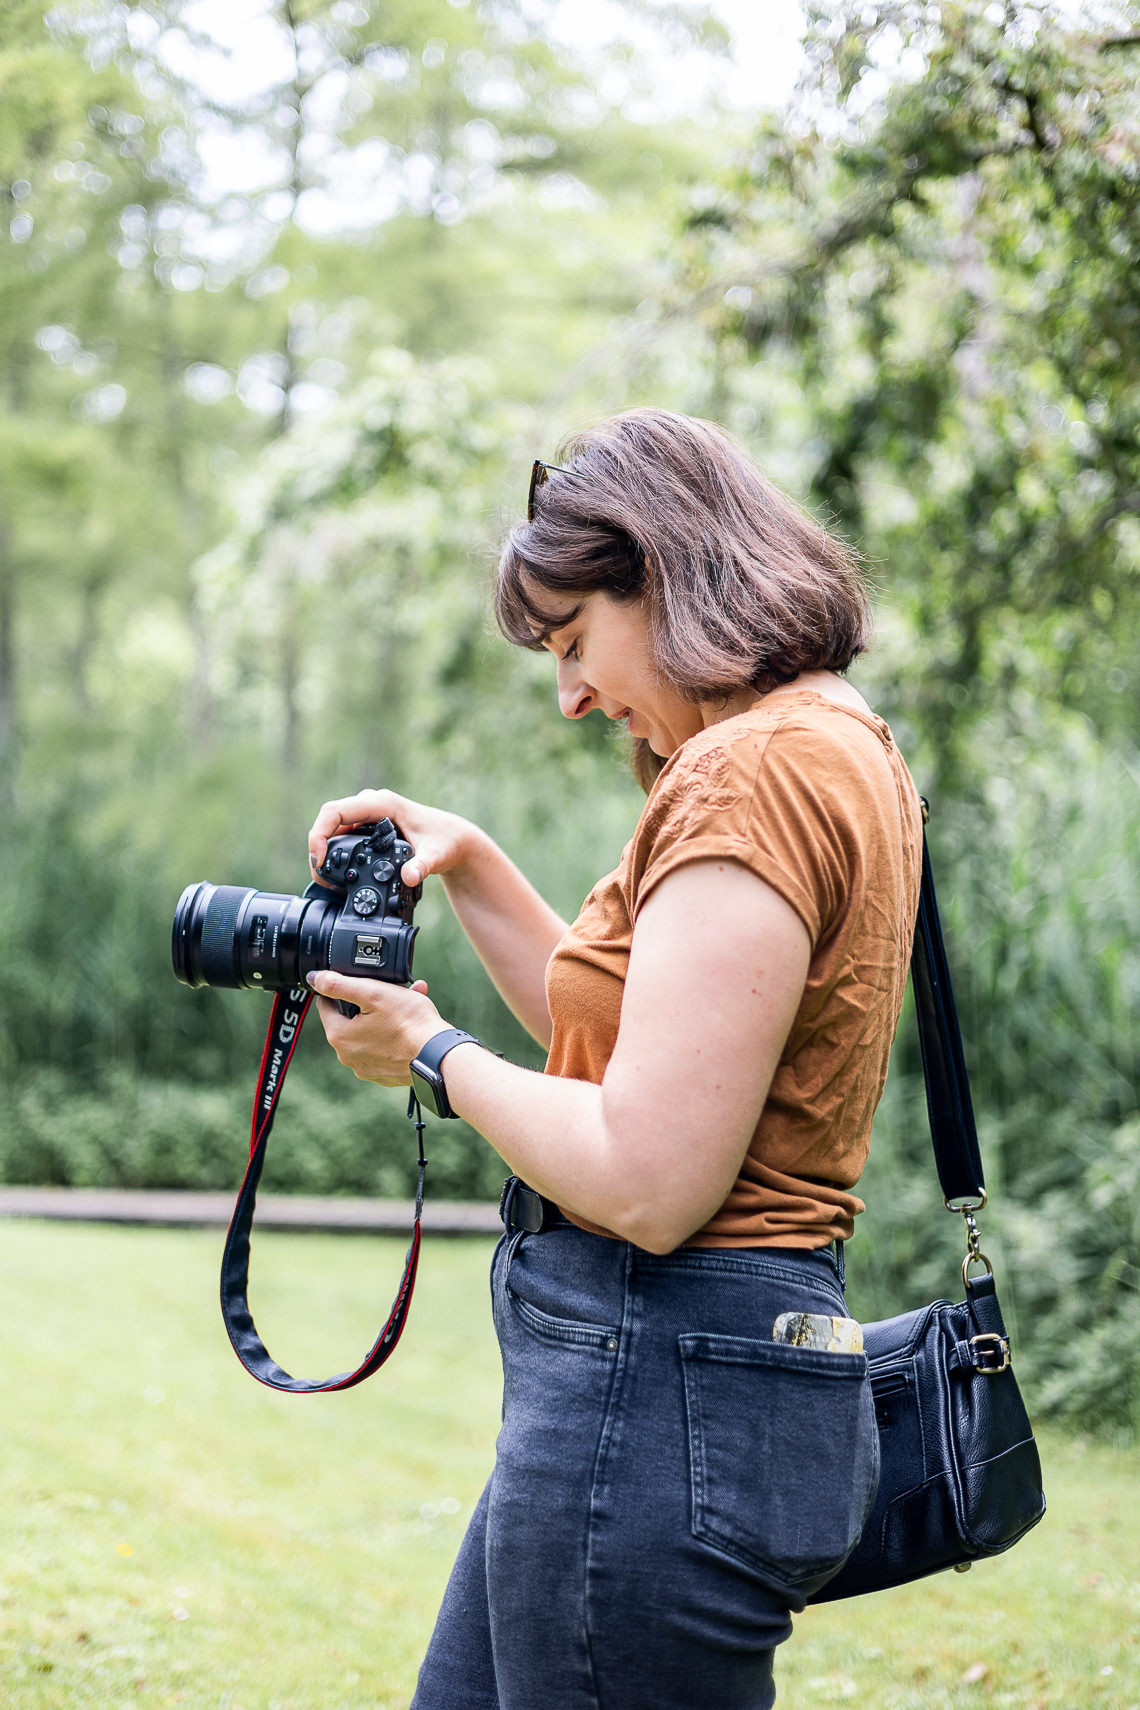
{"points": [[521, 1208]]}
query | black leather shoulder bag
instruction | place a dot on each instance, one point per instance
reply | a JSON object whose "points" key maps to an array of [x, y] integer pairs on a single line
{"points": [[960, 1475]]}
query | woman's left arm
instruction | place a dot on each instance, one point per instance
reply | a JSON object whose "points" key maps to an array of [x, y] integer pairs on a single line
{"points": [[716, 973]]}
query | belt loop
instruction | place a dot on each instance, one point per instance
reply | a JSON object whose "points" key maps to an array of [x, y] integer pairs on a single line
{"points": [[506, 1200], [521, 1208], [840, 1266]]}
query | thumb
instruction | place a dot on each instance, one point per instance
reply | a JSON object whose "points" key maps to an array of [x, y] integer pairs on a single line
{"points": [[328, 984], [420, 986]]}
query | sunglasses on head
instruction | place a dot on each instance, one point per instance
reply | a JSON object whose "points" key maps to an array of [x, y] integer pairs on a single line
{"points": [[539, 476]]}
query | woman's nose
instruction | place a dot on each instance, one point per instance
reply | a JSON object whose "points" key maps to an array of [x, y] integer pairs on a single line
{"points": [[575, 698]]}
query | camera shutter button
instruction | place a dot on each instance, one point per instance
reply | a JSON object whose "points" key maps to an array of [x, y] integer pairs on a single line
{"points": [[366, 901]]}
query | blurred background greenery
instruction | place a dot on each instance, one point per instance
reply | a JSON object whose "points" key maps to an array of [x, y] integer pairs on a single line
{"points": [[257, 446]]}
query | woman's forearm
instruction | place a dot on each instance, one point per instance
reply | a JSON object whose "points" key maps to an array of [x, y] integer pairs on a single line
{"points": [[581, 1147], [510, 927], [549, 1130]]}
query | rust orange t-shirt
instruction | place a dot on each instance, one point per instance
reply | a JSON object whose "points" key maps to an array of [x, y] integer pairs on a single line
{"points": [[813, 797]]}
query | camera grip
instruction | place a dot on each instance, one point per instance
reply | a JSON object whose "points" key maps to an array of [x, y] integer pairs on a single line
{"points": [[348, 1010]]}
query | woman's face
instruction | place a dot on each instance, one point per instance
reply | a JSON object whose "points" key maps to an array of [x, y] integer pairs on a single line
{"points": [[605, 660]]}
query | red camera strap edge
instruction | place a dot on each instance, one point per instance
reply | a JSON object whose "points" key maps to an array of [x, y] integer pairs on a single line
{"points": [[285, 1022]]}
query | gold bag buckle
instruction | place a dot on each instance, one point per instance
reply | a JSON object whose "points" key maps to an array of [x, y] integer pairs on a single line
{"points": [[991, 1352]]}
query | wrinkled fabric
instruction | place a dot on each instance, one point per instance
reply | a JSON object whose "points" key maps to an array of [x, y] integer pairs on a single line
{"points": [[669, 1485], [815, 799]]}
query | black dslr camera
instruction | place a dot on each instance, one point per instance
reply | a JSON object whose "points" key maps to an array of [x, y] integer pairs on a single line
{"points": [[225, 935]]}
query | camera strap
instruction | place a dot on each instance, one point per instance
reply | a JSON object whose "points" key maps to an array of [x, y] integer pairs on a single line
{"points": [[285, 1023]]}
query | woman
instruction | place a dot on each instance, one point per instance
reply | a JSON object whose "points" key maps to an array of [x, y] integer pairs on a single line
{"points": [[670, 1482]]}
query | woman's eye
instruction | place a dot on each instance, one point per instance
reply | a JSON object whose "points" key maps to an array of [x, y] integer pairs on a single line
{"points": [[571, 652]]}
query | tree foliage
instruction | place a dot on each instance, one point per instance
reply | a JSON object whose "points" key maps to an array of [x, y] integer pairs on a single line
{"points": [[953, 293]]}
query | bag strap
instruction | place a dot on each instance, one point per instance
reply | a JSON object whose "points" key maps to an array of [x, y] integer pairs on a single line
{"points": [[948, 1103], [285, 1023]]}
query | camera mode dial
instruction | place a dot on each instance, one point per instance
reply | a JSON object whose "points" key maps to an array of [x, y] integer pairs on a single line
{"points": [[366, 901]]}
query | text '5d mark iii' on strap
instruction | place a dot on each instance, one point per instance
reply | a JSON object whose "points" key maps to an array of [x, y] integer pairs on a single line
{"points": [[427, 1077]]}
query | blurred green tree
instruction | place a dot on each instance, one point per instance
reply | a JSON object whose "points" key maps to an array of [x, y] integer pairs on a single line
{"points": [[941, 254]]}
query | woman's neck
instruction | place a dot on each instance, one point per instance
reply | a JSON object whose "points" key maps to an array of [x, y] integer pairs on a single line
{"points": [[829, 685]]}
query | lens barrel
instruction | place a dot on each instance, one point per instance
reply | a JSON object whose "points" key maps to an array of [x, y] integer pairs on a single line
{"points": [[228, 935]]}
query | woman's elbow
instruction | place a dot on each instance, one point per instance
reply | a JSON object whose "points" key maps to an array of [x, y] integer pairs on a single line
{"points": [[654, 1227], [649, 1204], [661, 1244]]}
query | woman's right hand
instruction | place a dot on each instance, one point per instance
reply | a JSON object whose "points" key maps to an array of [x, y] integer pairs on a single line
{"points": [[442, 841]]}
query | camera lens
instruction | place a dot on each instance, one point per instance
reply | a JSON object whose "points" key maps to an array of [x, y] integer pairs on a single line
{"points": [[228, 935]]}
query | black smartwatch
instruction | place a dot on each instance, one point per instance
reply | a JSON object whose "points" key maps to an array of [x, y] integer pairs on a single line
{"points": [[427, 1081]]}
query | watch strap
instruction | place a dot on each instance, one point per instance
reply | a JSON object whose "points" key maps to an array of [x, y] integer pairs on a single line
{"points": [[425, 1066], [432, 1054]]}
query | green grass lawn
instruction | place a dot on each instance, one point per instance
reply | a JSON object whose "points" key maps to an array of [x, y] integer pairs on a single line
{"points": [[175, 1534]]}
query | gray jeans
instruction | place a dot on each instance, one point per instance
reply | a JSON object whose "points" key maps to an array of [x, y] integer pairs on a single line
{"points": [[669, 1484]]}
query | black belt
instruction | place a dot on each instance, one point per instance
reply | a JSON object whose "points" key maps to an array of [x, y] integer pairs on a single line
{"points": [[521, 1208]]}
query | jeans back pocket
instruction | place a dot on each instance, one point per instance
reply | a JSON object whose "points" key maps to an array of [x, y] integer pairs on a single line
{"points": [[783, 1454]]}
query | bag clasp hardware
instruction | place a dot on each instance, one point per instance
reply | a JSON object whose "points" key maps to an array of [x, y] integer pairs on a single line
{"points": [[974, 1254], [991, 1353]]}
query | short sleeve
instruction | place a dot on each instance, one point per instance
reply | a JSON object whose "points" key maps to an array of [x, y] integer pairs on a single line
{"points": [[783, 802]]}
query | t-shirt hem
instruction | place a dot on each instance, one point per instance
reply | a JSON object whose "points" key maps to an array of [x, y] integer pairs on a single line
{"points": [[802, 1240]]}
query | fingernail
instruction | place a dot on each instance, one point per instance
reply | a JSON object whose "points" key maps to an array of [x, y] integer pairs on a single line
{"points": [[311, 980]]}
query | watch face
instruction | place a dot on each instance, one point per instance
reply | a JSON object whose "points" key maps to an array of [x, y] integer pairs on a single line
{"points": [[431, 1083]]}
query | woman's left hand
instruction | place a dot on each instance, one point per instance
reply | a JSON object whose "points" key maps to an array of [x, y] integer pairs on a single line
{"points": [[394, 1024]]}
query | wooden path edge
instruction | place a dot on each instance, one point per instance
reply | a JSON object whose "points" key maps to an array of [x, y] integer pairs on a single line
{"points": [[176, 1208]]}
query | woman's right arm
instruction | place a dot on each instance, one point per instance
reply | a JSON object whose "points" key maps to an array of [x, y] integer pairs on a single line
{"points": [[510, 927]]}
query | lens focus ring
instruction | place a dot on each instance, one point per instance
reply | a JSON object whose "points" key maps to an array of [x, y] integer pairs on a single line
{"points": [[217, 961]]}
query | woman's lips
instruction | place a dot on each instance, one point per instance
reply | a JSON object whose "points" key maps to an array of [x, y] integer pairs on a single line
{"points": [[626, 716]]}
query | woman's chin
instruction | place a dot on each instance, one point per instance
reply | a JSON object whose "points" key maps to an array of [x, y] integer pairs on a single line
{"points": [[642, 730]]}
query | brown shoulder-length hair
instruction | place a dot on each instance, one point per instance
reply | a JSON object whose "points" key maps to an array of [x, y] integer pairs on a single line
{"points": [[743, 588]]}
